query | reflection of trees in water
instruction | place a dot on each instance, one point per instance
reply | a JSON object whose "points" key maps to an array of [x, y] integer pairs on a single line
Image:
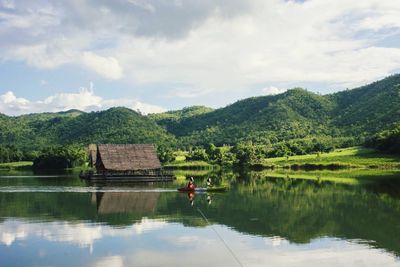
{"points": [[295, 209], [300, 210]]}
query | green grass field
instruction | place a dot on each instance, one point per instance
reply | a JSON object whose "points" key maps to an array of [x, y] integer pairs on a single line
{"points": [[188, 164], [346, 176], [346, 157], [16, 165]]}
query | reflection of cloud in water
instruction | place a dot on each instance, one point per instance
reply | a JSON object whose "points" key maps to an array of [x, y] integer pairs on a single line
{"points": [[146, 225], [9, 237], [340, 255], [215, 254], [275, 241], [188, 240], [82, 234], [177, 245]]}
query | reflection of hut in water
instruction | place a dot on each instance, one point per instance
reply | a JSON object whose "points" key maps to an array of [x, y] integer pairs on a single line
{"points": [[125, 202], [126, 160]]}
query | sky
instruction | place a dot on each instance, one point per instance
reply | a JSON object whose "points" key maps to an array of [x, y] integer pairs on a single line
{"points": [[160, 55]]}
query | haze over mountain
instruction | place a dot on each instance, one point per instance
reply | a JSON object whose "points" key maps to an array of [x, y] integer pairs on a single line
{"points": [[295, 114]]}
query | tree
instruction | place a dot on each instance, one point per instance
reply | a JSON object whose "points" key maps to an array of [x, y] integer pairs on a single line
{"points": [[387, 141], [198, 153], [61, 157], [165, 154], [247, 153]]}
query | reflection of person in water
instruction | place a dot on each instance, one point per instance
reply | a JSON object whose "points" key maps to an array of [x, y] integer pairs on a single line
{"points": [[191, 196], [209, 199], [209, 183]]}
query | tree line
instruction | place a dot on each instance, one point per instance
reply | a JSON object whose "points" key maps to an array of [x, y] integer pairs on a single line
{"points": [[244, 153], [386, 141]]}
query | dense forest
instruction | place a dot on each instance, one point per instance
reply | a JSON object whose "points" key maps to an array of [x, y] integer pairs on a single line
{"points": [[387, 140], [295, 122]]}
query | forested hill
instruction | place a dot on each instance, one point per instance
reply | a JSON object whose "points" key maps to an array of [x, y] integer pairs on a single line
{"points": [[295, 114], [115, 125], [370, 108]]}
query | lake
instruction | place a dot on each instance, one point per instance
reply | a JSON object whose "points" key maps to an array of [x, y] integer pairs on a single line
{"points": [[343, 218]]}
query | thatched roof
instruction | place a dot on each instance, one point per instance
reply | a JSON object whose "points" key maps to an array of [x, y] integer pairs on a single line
{"points": [[126, 202], [92, 151], [128, 157]]}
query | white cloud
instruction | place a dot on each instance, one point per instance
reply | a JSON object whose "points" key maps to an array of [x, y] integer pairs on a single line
{"points": [[272, 90], [105, 66], [111, 261], [10, 98], [9, 4], [277, 42], [188, 92], [209, 45], [84, 100], [145, 5], [46, 56], [10, 104]]}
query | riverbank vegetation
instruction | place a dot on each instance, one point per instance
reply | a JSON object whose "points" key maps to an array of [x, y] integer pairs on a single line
{"points": [[19, 165], [257, 157], [353, 157], [61, 157], [296, 129], [387, 140]]}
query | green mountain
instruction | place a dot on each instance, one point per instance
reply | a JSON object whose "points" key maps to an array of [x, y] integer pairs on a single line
{"points": [[116, 125], [172, 120], [295, 114], [368, 109]]}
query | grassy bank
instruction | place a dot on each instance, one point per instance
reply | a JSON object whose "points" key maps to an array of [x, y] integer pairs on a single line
{"points": [[181, 164], [346, 176], [353, 157], [21, 165]]}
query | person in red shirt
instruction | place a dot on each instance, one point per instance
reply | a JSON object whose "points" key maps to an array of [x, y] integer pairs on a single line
{"points": [[191, 184]]}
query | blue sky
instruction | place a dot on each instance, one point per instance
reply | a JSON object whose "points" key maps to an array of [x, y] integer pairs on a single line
{"points": [[160, 55]]}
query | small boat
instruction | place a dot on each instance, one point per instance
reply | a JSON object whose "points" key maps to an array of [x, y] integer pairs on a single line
{"points": [[204, 189]]}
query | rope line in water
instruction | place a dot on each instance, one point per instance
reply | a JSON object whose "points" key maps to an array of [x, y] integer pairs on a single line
{"points": [[220, 237]]}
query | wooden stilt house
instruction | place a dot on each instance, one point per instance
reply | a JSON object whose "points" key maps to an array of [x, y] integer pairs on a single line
{"points": [[121, 161]]}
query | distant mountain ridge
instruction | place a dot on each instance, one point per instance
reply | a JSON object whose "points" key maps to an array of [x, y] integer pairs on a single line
{"points": [[298, 113], [295, 114]]}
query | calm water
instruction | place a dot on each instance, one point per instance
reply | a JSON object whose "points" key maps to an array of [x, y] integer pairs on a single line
{"points": [[265, 219]]}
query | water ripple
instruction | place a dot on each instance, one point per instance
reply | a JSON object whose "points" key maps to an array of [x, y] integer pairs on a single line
{"points": [[76, 189]]}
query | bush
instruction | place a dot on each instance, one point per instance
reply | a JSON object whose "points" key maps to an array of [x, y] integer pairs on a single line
{"points": [[165, 154], [60, 158], [387, 141], [198, 154]]}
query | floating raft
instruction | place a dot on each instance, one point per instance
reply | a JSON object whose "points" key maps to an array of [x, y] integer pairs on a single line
{"points": [[126, 178]]}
